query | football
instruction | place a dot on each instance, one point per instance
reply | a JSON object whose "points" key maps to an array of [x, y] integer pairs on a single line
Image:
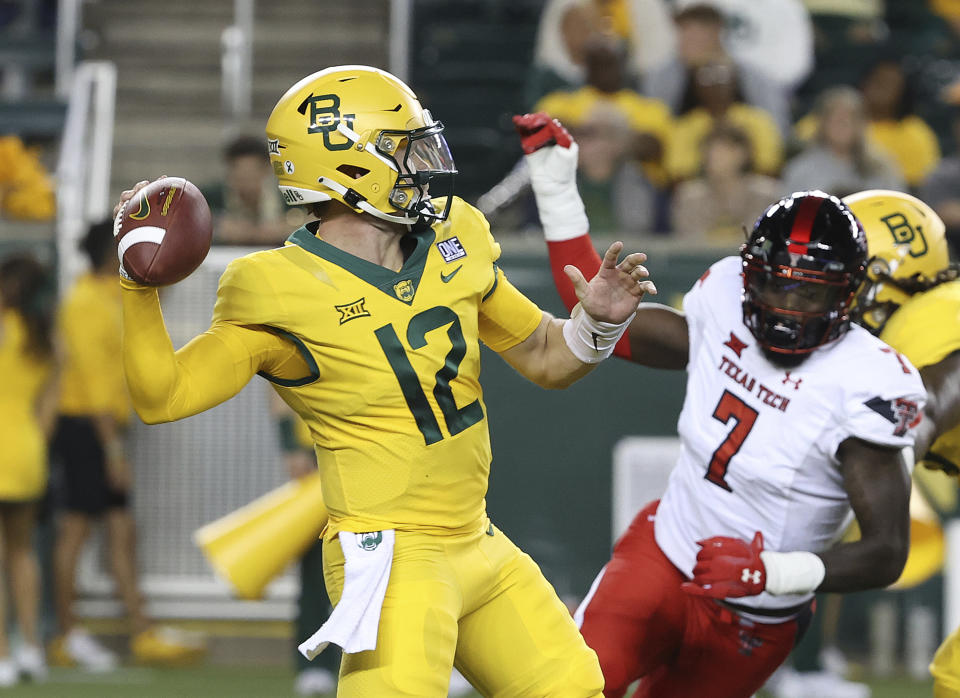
{"points": [[163, 233]]}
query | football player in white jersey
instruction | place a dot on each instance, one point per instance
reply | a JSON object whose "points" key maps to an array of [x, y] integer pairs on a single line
{"points": [[793, 418]]}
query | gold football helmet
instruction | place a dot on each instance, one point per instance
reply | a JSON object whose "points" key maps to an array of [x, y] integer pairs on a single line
{"points": [[358, 135], [907, 252]]}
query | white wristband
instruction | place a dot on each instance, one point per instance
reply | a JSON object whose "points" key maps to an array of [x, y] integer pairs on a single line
{"points": [[590, 340], [792, 573], [553, 177]]}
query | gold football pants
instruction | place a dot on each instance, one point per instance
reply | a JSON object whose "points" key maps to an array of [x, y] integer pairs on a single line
{"points": [[472, 600]]}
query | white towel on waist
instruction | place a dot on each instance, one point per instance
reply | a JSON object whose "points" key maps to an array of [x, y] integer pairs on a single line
{"points": [[354, 622]]}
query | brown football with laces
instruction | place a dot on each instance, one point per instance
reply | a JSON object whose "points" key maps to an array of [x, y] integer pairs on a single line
{"points": [[164, 232]]}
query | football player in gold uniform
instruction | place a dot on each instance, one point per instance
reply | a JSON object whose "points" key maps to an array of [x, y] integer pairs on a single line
{"points": [[911, 299], [368, 322]]}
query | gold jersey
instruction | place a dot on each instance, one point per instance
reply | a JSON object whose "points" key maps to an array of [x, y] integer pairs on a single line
{"points": [[92, 381], [23, 457], [926, 329], [392, 399]]}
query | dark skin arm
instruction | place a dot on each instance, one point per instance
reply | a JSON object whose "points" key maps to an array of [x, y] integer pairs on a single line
{"points": [[878, 486], [659, 337], [942, 412]]}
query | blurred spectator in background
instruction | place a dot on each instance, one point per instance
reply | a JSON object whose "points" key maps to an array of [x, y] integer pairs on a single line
{"points": [[941, 189], [96, 475], [845, 36], [892, 127], [622, 137], [719, 206], [616, 194], [839, 159], [773, 37], [246, 206], [566, 25], [26, 190], [699, 30], [714, 89], [27, 406]]}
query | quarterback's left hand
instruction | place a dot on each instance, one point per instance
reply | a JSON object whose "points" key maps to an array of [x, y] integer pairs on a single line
{"points": [[615, 292], [728, 567]]}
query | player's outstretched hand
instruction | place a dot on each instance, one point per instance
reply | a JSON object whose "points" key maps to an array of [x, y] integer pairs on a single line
{"points": [[551, 155], [728, 567], [539, 130], [615, 292]]}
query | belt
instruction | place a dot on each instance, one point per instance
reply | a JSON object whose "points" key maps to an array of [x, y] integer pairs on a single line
{"points": [[785, 613]]}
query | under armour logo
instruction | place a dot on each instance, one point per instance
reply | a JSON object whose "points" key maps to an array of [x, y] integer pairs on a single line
{"points": [[749, 576], [795, 381], [748, 643]]}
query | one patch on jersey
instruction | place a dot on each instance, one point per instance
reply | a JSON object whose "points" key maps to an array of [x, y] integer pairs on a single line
{"points": [[353, 310], [451, 249], [901, 412]]}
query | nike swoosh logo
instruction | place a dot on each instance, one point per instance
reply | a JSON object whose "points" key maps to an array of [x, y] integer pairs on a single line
{"points": [[445, 278], [144, 209]]}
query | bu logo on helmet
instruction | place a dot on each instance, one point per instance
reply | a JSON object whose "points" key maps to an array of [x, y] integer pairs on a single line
{"points": [[370, 541], [906, 234], [325, 117]]}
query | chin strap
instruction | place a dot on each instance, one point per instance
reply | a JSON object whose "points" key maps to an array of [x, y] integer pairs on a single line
{"points": [[355, 200]]}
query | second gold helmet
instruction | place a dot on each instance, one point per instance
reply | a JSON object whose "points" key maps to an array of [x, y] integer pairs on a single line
{"points": [[907, 252]]}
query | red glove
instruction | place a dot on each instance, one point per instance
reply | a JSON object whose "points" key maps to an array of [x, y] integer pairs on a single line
{"points": [[538, 130], [728, 567]]}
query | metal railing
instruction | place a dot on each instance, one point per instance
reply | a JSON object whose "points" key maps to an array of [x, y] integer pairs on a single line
{"points": [[83, 170], [69, 14], [236, 61]]}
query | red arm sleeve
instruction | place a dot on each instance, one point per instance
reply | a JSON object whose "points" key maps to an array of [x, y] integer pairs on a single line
{"points": [[581, 253]]}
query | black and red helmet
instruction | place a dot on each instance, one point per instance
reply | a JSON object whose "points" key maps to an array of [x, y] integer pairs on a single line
{"points": [[802, 264]]}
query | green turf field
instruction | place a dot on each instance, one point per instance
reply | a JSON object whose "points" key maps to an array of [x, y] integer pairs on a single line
{"points": [[254, 682]]}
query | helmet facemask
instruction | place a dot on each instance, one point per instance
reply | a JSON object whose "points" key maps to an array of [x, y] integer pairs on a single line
{"points": [[883, 292], [424, 163], [793, 311], [879, 296]]}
